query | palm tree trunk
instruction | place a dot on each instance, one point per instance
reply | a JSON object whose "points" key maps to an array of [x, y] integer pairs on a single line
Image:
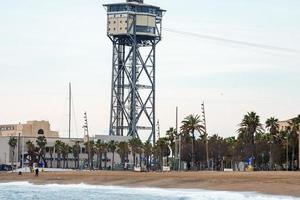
{"points": [[100, 164], [193, 149], [140, 156], [77, 158], [105, 161], [12, 160], [113, 160], [97, 162], [51, 159], [58, 161], [133, 154], [67, 166], [293, 156]]}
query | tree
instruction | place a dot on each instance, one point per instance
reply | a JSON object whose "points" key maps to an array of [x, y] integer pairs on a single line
{"points": [[65, 150], [162, 150], [294, 130], [148, 152], [58, 150], [31, 151], [273, 126], [12, 143], [90, 150], [105, 149], [76, 152], [249, 126], [135, 144], [123, 151], [100, 149], [112, 146], [191, 124], [41, 142], [51, 156], [172, 135]]}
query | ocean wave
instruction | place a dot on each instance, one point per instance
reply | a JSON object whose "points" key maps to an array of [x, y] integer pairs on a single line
{"points": [[26, 190]]}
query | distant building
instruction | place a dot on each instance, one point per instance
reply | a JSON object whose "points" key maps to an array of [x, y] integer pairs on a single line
{"points": [[283, 126], [30, 129]]}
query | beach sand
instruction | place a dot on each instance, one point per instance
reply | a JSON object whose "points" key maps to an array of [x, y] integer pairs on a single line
{"points": [[276, 183]]}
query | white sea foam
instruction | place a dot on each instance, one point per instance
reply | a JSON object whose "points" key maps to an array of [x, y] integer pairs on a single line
{"points": [[26, 191]]}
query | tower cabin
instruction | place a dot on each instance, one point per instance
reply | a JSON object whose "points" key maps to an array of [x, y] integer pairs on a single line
{"points": [[133, 17]]}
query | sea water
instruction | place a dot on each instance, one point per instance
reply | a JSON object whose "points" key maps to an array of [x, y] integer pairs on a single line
{"points": [[27, 191]]}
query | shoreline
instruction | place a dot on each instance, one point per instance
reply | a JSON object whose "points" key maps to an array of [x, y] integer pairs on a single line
{"points": [[273, 183]]}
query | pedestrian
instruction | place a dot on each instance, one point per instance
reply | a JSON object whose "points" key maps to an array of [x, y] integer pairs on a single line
{"points": [[37, 172]]}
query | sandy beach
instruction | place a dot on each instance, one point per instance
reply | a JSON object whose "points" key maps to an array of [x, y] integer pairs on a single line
{"points": [[277, 183]]}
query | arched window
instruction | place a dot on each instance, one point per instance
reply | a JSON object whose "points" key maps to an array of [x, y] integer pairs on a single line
{"points": [[41, 132]]}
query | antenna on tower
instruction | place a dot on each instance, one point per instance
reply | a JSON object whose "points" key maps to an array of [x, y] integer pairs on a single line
{"points": [[86, 134]]}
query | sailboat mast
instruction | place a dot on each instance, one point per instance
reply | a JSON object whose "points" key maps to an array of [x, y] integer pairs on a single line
{"points": [[70, 109]]}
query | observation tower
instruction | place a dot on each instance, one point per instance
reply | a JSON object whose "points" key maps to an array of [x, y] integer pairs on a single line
{"points": [[135, 29]]}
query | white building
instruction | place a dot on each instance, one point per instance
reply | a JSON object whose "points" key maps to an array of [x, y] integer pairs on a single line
{"points": [[30, 131]]}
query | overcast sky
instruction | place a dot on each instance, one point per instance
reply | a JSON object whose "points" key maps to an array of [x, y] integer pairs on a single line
{"points": [[46, 44]]}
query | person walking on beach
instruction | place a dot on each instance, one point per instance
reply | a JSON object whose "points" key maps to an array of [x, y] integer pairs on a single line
{"points": [[37, 172]]}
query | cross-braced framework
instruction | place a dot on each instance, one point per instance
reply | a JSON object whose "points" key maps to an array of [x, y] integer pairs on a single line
{"points": [[133, 88], [133, 85]]}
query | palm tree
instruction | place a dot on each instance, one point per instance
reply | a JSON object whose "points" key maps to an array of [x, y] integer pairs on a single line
{"points": [[31, 151], [148, 152], [90, 147], [123, 151], [105, 149], [12, 143], [112, 146], [172, 135], [99, 152], [249, 126], [135, 144], [163, 150], [41, 142], [294, 129], [231, 142], [191, 124], [273, 126], [65, 154], [76, 153], [102, 150], [58, 150], [51, 156]]}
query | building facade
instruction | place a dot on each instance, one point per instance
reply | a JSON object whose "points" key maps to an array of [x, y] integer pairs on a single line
{"points": [[284, 126], [30, 129], [33, 129]]}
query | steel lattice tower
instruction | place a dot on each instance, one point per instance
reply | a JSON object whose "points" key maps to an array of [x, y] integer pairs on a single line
{"points": [[134, 29]]}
